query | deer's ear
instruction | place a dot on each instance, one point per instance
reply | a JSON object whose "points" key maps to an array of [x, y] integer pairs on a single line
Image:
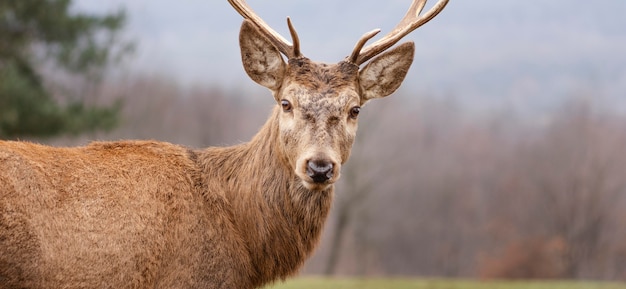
{"points": [[384, 74], [261, 60]]}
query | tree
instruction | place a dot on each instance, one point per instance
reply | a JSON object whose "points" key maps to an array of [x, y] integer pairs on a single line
{"points": [[35, 33], [561, 199], [577, 177]]}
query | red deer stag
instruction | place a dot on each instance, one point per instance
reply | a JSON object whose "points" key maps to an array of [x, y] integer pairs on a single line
{"points": [[145, 214]]}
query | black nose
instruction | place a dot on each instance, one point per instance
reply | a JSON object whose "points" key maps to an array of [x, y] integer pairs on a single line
{"points": [[319, 170]]}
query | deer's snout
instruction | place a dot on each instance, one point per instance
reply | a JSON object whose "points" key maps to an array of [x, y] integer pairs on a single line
{"points": [[320, 171]]}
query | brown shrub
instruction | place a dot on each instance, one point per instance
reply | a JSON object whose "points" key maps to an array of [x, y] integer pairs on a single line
{"points": [[539, 258]]}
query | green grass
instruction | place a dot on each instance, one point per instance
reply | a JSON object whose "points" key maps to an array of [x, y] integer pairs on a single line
{"points": [[400, 283]]}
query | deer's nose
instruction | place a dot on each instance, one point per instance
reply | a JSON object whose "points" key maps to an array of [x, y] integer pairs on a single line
{"points": [[319, 170]]}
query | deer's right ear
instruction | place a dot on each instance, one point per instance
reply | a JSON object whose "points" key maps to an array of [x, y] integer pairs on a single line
{"points": [[384, 74], [261, 60]]}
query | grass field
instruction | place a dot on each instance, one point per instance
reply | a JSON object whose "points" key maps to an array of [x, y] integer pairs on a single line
{"points": [[323, 283]]}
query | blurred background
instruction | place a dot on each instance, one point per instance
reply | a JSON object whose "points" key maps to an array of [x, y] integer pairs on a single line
{"points": [[503, 155]]}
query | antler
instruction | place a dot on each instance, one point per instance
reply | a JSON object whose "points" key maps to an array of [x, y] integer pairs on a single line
{"points": [[282, 44], [410, 22]]}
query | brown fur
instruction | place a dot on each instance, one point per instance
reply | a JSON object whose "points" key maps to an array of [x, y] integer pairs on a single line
{"points": [[145, 214]]}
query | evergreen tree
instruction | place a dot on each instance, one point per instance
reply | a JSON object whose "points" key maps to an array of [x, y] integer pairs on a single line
{"points": [[33, 32]]}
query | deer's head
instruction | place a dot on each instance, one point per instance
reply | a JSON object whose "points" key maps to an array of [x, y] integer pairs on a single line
{"points": [[318, 104]]}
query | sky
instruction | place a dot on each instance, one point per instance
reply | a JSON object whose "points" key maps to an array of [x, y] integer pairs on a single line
{"points": [[487, 54]]}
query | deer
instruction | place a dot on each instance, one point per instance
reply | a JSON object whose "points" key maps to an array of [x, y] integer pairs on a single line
{"points": [[149, 214]]}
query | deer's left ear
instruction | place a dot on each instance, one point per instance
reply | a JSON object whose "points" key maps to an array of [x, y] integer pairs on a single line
{"points": [[261, 60], [384, 74]]}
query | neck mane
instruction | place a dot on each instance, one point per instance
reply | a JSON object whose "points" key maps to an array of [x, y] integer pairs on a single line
{"points": [[278, 218]]}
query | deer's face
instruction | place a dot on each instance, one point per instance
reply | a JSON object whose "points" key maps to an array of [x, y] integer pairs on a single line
{"points": [[318, 104], [318, 110]]}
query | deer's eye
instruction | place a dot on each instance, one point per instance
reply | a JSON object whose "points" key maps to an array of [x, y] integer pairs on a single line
{"points": [[286, 105], [354, 112]]}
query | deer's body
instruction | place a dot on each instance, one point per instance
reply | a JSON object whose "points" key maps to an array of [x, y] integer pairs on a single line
{"points": [[143, 214]]}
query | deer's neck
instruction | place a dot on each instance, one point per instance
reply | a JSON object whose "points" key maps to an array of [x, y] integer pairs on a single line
{"points": [[279, 219]]}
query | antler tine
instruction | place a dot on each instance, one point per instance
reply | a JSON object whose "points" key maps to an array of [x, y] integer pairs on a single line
{"points": [[357, 48], [282, 44], [410, 22]]}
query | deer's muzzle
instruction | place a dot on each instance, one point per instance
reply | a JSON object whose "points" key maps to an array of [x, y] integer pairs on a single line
{"points": [[320, 171]]}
